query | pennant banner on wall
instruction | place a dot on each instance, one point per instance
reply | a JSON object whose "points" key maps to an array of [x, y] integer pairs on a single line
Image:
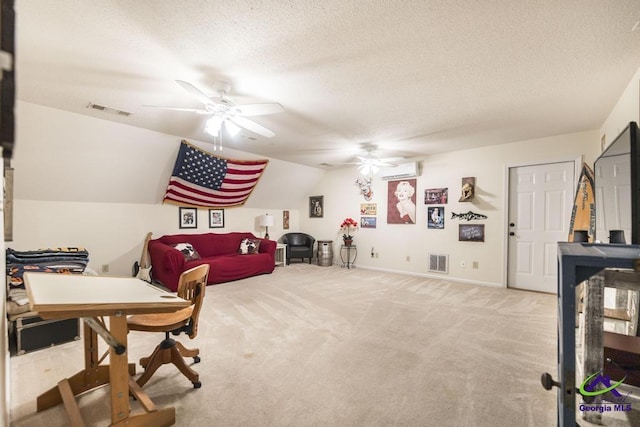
{"points": [[205, 180]]}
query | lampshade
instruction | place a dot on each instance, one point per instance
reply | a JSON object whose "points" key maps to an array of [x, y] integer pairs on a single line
{"points": [[266, 220]]}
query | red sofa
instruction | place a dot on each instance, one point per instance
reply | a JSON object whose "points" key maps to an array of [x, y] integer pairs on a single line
{"points": [[219, 250]]}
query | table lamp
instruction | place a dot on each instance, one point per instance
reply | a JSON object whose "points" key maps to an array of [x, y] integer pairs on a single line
{"points": [[266, 221]]}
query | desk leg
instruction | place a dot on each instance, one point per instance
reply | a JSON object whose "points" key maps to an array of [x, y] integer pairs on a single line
{"points": [[119, 377], [92, 376], [120, 385]]}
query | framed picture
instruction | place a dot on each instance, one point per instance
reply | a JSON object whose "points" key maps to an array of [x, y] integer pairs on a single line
{"points": [[368, 209], [435, 217], [401, 202], [188, 217], [316, 206], [216, 218], [471, 233], [436, 196], [285, 220], [368, 222]]}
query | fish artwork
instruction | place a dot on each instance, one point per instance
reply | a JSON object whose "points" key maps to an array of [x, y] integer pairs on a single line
{"points": [[469, 216]]}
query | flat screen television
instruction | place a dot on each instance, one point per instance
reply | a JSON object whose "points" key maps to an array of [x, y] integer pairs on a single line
{"points": [[617, 187]]}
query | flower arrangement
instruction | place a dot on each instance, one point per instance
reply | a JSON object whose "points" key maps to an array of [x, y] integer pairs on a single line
{"points": [[347, 225]]}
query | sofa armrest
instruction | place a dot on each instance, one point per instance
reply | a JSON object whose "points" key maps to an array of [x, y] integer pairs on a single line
{"points": [[166, 256], [267, 246]]}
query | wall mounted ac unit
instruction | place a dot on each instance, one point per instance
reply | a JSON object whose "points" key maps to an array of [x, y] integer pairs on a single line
{"points": [[403, 170]]}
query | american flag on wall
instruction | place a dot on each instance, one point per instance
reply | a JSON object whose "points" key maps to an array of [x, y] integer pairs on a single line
{"points": [[201, 179]]}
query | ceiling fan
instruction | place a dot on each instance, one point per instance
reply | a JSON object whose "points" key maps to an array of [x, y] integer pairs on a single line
{"points": [[368, 164], [225, 112]]}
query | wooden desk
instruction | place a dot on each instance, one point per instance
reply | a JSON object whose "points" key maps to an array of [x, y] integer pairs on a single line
{"points": [[59, 296]]}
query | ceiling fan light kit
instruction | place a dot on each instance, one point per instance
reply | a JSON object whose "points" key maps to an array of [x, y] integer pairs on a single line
{"points": [[225, 112]]}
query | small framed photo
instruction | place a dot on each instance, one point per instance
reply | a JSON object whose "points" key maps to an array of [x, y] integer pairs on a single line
{"points": [[471, 233], [316, 206], [285, 220], [436, 196], [435, 217], [368, 222], [188, 217], [216, 218]]}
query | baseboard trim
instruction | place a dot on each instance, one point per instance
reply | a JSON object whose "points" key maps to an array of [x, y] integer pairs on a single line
{"points": [[435, 276]]}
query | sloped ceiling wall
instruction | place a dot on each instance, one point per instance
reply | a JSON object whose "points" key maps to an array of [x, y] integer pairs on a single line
{"points": [[62, 156]]}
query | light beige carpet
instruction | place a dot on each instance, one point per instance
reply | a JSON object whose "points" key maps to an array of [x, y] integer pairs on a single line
{"points": [[326, 346]]}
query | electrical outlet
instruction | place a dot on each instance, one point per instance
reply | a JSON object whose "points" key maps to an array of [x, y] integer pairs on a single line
{"points": [[105, 268], [408, 258], [377, 255], [475, 264], [463, 264]]}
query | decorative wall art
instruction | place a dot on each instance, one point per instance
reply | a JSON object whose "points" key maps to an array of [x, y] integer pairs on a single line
{"points": [[368, 222], [401, 202], [436, 196], [368, 209], [316, 206], [435, 217], [285, 220], [202, 179], [365, 187], [188, 217], [216, 218], [469, 216], [471, 232], [468, 189]]}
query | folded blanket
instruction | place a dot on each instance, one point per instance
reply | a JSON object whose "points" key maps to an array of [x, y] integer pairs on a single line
{"points": [[69, 260]]}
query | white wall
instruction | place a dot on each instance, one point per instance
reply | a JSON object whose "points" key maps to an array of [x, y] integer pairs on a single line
{"points": [[80, 181], [395, 242], [626, 110]]}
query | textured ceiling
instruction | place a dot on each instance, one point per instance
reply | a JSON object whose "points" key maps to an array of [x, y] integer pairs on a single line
{"points": [[409, 77]]}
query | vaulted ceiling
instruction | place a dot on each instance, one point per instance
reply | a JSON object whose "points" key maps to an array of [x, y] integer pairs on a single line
{"points": [[409, 78]]}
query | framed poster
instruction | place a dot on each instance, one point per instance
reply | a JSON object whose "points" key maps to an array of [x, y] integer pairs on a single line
{"points": [[471, 233], [436, 196], [285, 220], [188, 217], [316, 206], [216, 218], [368, 222], [368, 209], [435, 217], [401, 202]]}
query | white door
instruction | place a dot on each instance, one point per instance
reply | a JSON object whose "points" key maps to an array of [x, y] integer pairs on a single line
{"points": [[540, 205]]}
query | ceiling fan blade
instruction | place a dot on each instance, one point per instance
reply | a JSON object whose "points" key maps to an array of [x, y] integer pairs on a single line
{"points": [[260, 109], [195, 92], [190, 110], [252, 126]]}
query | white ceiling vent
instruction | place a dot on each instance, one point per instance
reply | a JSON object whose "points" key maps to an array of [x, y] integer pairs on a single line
{"points": [[439, 263], [108, 110], [403, 170]]}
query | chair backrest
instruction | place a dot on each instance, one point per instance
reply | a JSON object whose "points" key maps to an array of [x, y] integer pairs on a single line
{"points": [[298, 239], [191, 286]]}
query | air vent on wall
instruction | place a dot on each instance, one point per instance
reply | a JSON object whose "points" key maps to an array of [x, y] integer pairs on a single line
{"points": [[439, 263], [108, 110]]}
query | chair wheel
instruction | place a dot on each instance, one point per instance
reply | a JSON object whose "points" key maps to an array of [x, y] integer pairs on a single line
{"points": [[197, 384], [196, 359]]}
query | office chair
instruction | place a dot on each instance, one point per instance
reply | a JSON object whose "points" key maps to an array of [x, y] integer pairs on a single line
{"points": [[191, 286]]}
